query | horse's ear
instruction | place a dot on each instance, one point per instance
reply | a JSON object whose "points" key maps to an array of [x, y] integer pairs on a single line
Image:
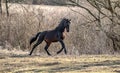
{"points": [[69, 19]]}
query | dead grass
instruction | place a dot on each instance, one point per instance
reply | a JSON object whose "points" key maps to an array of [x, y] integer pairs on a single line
{"points": [[22, 63]]}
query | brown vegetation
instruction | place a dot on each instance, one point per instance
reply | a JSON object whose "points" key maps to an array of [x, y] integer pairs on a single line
{"points": [[85, 37]]}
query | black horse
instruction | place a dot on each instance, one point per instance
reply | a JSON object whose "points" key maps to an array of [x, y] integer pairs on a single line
{"points": [[50, 36]]}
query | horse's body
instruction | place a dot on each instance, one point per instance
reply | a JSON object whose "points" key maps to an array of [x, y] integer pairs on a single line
{"points": [[51, 36], [56, 35]]}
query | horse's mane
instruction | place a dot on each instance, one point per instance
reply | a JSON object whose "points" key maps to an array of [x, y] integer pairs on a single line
{"points": [[62, 21], [61, 24]]}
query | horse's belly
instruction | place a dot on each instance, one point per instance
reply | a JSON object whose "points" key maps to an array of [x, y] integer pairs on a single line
{"points": [[50, 38]]}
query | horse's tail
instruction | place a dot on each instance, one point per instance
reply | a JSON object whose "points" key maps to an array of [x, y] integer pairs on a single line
{"points": [[41, 36], [33, 39]]}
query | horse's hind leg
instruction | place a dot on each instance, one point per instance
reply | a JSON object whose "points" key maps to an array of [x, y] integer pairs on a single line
{"points": [[35, 45], [46, 49]]}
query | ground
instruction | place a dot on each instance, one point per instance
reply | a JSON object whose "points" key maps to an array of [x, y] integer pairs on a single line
{"points": [[23, 63]]}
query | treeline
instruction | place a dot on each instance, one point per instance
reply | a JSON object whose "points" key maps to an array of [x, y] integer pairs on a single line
{"points": [[38, 2], [95, 23]]}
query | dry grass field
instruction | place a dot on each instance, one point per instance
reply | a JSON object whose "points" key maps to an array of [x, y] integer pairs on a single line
{"points": [[22, 63]]}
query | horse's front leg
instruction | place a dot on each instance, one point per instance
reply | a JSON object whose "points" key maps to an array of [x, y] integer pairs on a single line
{"points": [[63, 47]]}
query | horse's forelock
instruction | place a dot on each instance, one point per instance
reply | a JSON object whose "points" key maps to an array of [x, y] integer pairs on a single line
{"points": [[63, 21]]}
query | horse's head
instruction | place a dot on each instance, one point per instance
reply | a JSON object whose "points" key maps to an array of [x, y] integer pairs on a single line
{"points": [[64, 24], [67, 24]]}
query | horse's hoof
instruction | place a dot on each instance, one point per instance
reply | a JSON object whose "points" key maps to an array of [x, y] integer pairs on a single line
{"points": [[65, 52], [30, 54], [58, 52], [49, 54]]}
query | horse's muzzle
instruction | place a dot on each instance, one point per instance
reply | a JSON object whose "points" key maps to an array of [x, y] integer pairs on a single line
{"points": [[67, 30]]}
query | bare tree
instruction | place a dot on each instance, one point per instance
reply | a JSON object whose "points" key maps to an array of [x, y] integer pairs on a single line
{"points": [[114, 17], [110, 7], [1, 6], [34, 2], [6, 4]]}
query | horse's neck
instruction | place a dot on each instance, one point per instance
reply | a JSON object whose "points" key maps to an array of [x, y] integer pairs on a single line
{"points": [[60, 29]]}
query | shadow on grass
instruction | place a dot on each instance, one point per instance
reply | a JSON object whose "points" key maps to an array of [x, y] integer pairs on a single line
{"points": [[31, 70], [20, 56], [118, 71], [45, 64], [51, 64], [104, 63], [79, 67], [11, 67]]}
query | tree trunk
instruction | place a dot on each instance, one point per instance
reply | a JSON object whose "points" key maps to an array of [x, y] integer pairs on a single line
{"points": [[6, 4], [35, 2], [1, 6]]}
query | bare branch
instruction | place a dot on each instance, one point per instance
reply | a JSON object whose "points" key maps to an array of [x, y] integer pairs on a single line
{"points": [[6, 4], [79, 13], [76, 4], [0, 6]]}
